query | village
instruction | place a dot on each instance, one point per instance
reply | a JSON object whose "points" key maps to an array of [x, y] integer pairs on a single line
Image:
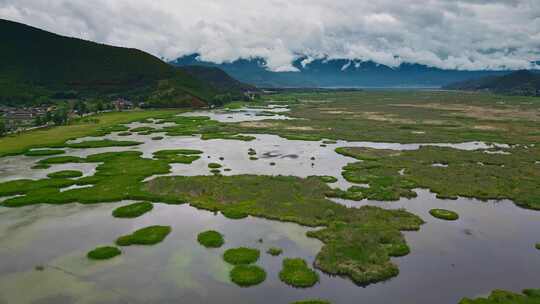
{"points": [[17, 119]]}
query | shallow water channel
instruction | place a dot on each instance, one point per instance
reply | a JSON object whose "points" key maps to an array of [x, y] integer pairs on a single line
{"points": [[43, 248]]}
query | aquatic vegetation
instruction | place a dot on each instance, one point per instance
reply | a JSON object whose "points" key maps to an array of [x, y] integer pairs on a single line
{"points": [[157, 138], [296, 273], [182, 156], [103, 253], [252, 152], [44, 152], [215, 171], [211, 239], [311, 302], [230, 136], [328, 179], [469, 174], [125, 133], [537, 246], [529, 296], [145, 236], [214, 166], [133, 210], [241, 255], [274, 251], [253, 158], [234, 214], [103, 144], [444, 214], [60, 160], [247, 275], [358, 242], [65, 174], [142, 129], [118, 177]]}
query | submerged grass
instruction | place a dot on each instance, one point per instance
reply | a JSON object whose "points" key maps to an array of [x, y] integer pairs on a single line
{"points": [[296, 273], [133, 210], [211, 239], [145, 236]]}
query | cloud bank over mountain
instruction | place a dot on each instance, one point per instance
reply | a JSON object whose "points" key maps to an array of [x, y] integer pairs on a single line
{"points": [[448, 34]]}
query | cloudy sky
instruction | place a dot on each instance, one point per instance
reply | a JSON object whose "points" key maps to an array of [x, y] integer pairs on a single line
{"points": [[454, 34]]}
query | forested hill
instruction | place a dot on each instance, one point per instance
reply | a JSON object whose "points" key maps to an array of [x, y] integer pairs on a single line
{"points": [[516, 83], [36, 63]]}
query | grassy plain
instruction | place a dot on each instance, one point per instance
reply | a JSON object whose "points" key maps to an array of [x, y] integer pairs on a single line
{"points": [[529, 296], [57, 136]]}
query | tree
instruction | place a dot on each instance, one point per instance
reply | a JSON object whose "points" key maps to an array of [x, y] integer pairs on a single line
{"points": [[99, 106], [3, 128], [81, 108], [38, 121], [60, 115]]}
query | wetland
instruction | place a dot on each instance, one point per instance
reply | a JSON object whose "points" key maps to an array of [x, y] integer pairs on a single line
{"points": [[341, 189]]}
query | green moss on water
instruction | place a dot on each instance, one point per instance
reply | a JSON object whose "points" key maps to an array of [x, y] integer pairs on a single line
{"points": [[103, 253], [103, 144], [296, 273], [44, 152], [211, 239], [145, 236], [65, 174], [214, 166], [274, 251], [247, 275], [529, 296], [444, 214], [241, 256], [133, 210]]}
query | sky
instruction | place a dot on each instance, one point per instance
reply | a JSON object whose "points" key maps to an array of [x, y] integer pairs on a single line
{"points": [[449, 34]]}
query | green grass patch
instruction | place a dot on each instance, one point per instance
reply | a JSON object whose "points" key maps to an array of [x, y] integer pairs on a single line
{"points": [[181, 156], [44, 152], [60, 160], [247, 275], [102, 124], [296, 273], [133, 210], [274, 251], [211, 239], [529, 296], [103, 253], [65, 174], [234, 214], [103, 144], [214, 165], [241, 256], [145, 236], [444, 214], [328, 179], [141, 129]]}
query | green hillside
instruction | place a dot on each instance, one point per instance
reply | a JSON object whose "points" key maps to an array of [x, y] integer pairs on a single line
{"points": [[36, 64], [524, 82]]}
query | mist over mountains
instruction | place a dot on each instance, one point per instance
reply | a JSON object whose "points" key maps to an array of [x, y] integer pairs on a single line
{"points": [[339, 73]]}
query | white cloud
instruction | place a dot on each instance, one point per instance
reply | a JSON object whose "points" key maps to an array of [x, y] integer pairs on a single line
{"points": [[462, 34]]}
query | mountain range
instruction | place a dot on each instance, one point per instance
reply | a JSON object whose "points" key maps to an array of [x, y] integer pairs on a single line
{"points": [[338, 73], [524, 82], [37, 65]]}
